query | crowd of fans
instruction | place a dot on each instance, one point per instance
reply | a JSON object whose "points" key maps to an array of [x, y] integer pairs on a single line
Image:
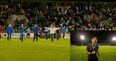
{"points": [[74, 16]]}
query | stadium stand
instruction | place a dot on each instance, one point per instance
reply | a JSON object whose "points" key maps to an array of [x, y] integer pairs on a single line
{"points": [[73, 15]]}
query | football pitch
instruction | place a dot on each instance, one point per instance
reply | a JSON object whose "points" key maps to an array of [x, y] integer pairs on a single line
{"points": [[42, 50], [107, 53]]}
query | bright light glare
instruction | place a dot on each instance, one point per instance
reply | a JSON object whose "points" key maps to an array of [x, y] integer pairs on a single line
{"points": [[114, 38], [82, 37]]}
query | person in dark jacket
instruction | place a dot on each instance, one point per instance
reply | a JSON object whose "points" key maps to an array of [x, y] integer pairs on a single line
{"points": [[9, 31], [92, 50], [28, 32], [58, 34]]}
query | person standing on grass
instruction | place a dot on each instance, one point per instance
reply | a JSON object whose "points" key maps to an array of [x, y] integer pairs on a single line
{"points": [[0, 35], [52, 30], [63, 30], [28, 32], [92, 50], [46, 32], [35, 31], [40, 31], [21, 30], [9, 31], [58, 34]]}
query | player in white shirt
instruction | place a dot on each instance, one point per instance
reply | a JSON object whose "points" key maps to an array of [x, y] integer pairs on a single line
{"points": [[52, 30]]}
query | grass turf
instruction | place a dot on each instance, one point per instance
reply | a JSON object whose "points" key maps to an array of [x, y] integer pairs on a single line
{"points": [[42, 50], [107, 53]]}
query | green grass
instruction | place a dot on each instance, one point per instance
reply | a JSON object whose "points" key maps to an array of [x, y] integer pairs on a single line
{"points": [[107, 53], [43, 50]]}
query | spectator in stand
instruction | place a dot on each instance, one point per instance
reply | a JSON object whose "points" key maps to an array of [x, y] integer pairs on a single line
{"points": [[67, 13]]}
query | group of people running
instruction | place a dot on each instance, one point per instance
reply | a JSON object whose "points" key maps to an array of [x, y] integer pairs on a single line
{"points": [[51, 31]]}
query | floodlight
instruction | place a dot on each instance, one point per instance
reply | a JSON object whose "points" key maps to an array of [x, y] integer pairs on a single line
{"points": [[82, 37], [114, 38]]}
